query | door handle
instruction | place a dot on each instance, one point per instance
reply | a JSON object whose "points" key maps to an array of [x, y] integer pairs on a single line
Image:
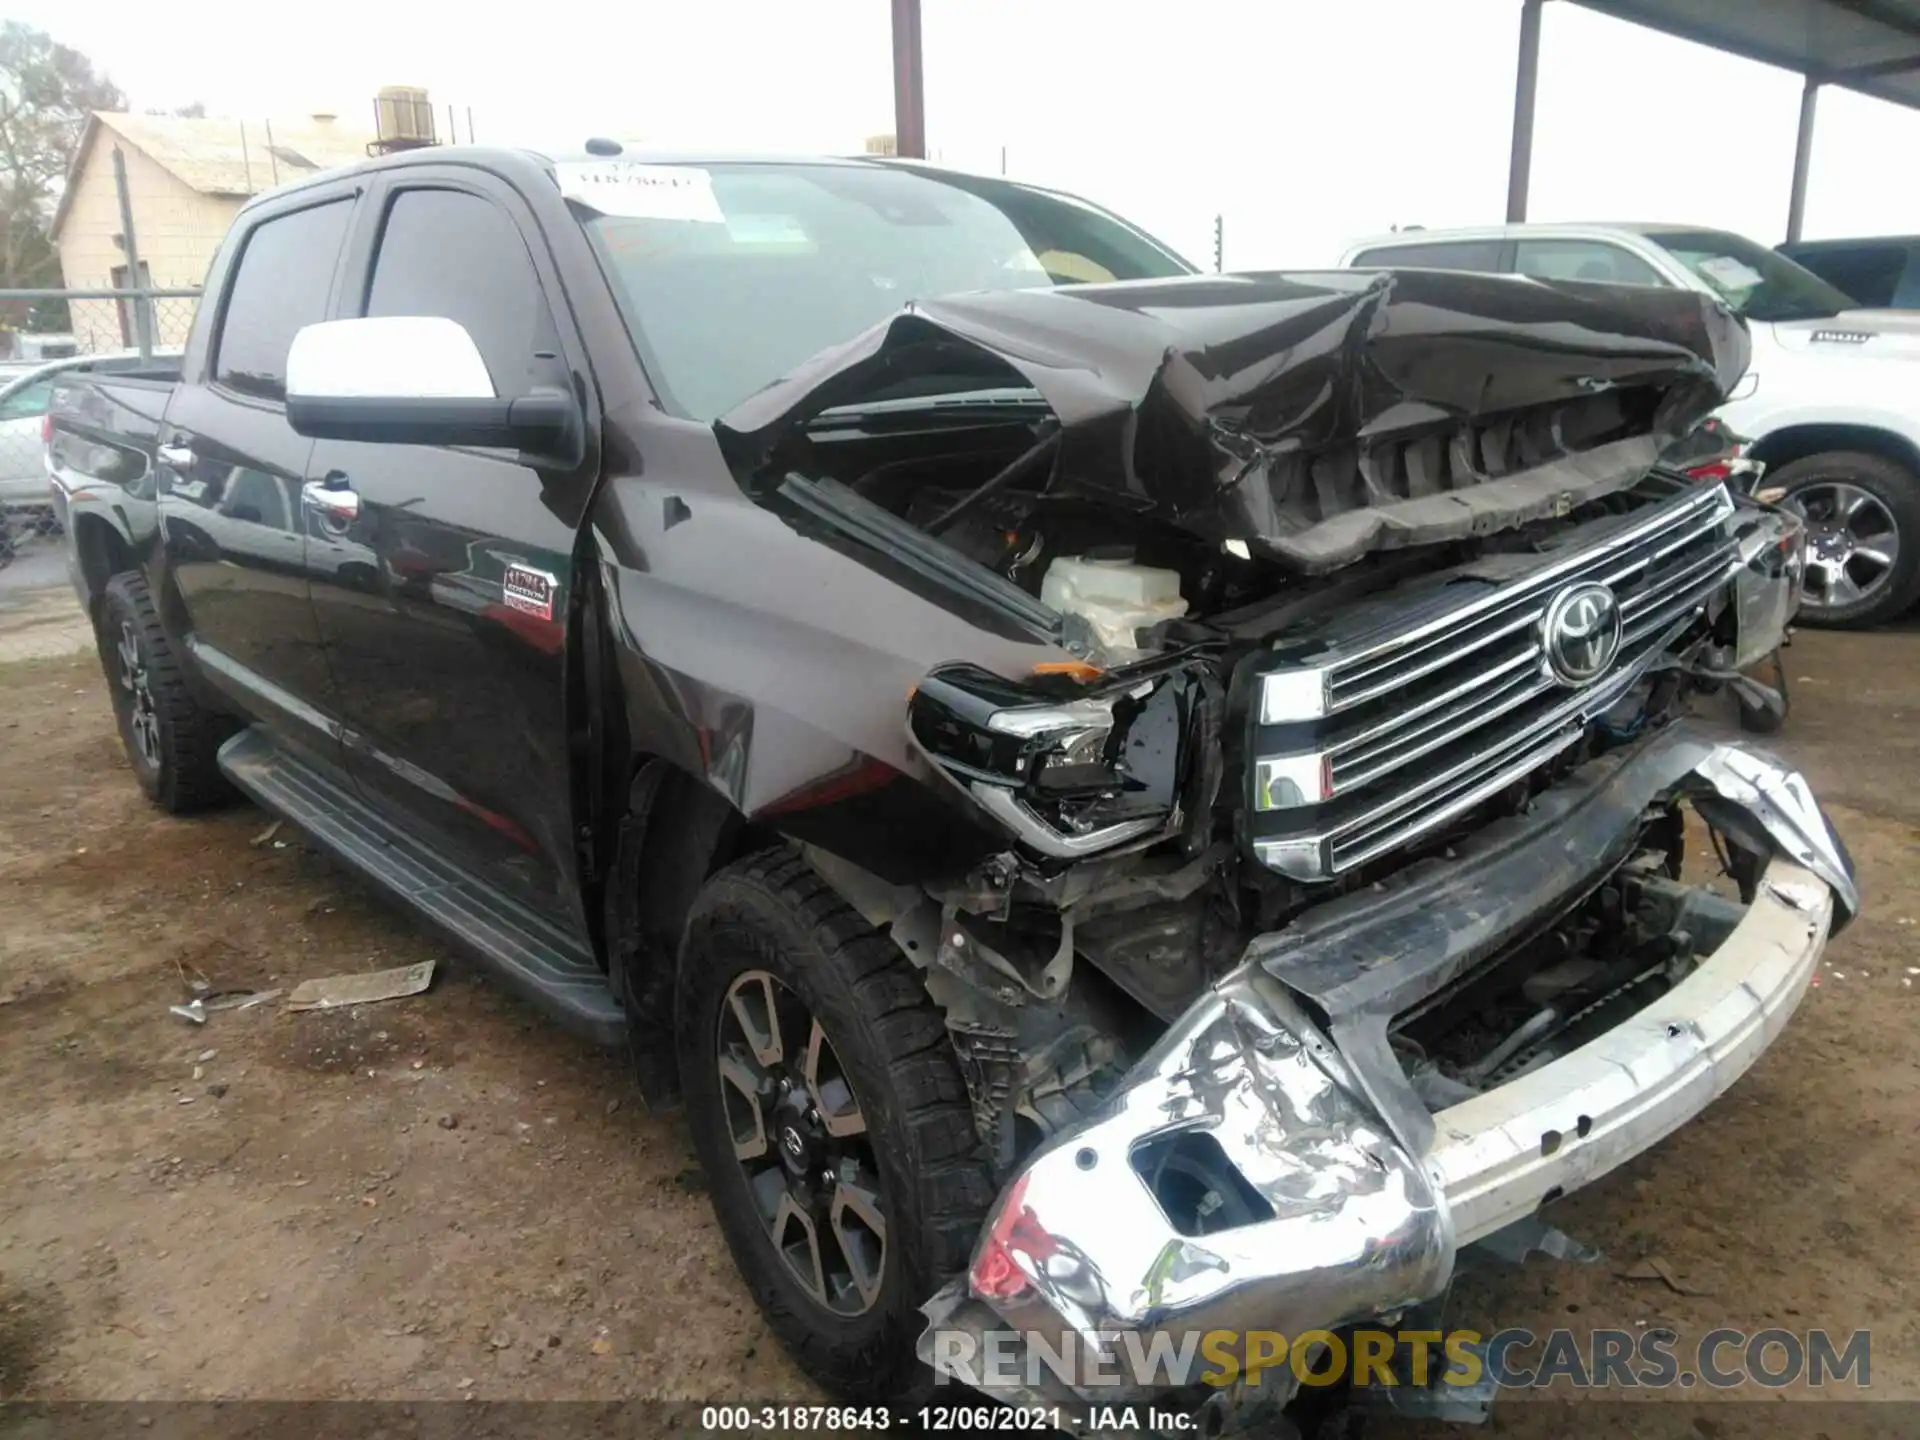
{"points": [[332, 498], [176, 457]]}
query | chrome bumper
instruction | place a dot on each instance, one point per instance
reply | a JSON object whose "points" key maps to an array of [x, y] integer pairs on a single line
{"points": [[1354, 1214], [1497, 1156]]}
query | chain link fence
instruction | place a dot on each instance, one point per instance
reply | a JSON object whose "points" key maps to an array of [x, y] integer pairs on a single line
{"points": [[37, 325], [41, 329]]}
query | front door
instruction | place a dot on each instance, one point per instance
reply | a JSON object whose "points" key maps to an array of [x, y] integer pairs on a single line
{"points": [[229, 478], [442, 600]]}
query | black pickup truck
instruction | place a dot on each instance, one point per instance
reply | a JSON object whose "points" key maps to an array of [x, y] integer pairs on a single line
{"points": [[1123, 806]]}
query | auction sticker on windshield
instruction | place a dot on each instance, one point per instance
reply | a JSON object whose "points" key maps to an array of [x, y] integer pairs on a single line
{"points": [[633, 191], [1732, 273]]}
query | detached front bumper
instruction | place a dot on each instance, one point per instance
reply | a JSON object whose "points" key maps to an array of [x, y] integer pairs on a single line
{"points": [[1355, 1197], [1498, 1156]]}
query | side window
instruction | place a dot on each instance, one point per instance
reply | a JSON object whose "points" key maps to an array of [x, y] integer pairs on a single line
{"points": [[284, 278], [455, 255], [1583, 260], [1869, 274], [28, 402], [1907, 295], [1436, 255]]}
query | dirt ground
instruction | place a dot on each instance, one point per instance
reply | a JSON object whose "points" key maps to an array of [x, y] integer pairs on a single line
{"points": [[444, 1197]]}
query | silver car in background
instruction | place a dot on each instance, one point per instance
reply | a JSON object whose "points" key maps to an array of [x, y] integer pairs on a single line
{"points": [[26, 502]]}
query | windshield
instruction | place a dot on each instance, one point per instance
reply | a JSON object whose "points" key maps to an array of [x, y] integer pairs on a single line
{"points": [[1759, 283], [729, 276]]}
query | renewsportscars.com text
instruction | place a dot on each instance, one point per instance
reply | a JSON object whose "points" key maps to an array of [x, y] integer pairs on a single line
{"points": [[1514, 1359]]}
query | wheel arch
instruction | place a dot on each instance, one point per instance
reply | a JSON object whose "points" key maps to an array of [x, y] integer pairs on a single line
{"points": [[1791, 443], [102, 552], [675, 833]]}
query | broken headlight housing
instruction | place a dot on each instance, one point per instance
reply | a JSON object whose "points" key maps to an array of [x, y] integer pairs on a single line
{"points": [[1069, 777]]}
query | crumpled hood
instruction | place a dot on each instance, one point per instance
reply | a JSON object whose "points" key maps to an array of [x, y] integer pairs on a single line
{"points": [[1312, 416]]}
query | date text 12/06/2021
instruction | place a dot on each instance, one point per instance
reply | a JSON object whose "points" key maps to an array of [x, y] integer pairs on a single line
{"points": [[964, 1419]]}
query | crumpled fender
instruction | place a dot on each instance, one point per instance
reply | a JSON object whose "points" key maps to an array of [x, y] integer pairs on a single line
{"points": [[1757, 784]]}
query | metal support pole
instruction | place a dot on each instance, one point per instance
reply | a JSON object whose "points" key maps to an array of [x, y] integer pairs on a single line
{"points": [[909, 100], [1802, 159], [141, 306], [1520, 164]]}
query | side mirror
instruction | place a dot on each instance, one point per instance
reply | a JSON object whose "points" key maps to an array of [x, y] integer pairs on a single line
{"points": [[415, 380]]}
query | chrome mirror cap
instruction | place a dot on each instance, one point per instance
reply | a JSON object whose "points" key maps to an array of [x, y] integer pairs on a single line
{"points": [[388, 357]]}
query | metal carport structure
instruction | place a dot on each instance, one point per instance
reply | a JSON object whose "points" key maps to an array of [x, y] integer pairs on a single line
{"points": [[1872, 46]]}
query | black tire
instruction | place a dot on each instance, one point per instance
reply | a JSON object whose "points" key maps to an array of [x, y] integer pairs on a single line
{"points": [[772, 913], [1758, 719], [170, 741], [1897, 490]]}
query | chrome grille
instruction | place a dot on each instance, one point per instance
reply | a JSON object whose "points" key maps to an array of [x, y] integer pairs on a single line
{"points": [[1389, 734]]}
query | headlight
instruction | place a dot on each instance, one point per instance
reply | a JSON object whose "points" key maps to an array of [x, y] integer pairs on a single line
{"points": [[1069, 777]]}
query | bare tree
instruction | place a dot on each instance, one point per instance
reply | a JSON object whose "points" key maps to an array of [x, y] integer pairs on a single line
{"points": [[46, 92]]}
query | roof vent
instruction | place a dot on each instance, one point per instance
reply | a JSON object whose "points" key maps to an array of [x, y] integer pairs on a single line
{"points": [[402, 118]]}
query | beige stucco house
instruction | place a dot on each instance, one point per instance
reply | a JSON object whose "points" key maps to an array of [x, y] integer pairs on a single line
{"points": [[186, 180]]}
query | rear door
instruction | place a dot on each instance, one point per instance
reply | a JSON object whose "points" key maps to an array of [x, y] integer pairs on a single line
{"points": [[228, 481], [443, 600]]}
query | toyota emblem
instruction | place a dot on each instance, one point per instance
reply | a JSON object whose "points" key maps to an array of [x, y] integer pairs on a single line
{"points": [[1581, 633]]}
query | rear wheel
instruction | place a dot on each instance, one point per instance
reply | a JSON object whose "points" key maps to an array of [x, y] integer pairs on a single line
{"points": [[1863, 535], [826, 1105], [170, 741]]}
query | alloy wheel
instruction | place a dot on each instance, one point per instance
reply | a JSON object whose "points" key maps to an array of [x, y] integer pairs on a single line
{"points": [[1853, 543], [143, 716], [800, 1138]]}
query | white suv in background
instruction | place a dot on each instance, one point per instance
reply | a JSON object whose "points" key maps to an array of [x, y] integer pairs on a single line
{"points": [[1832, 399]]}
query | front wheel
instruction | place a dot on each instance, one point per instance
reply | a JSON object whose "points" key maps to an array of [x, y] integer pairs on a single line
{"points": [[1863, 535], [826, 1106]]}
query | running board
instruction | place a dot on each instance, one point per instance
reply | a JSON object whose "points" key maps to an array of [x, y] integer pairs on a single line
{"points": [[535, 957]]}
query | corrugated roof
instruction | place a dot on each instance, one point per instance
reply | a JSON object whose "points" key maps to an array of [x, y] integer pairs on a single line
{"points": [[230, 157], [1872, 46], [222, 157]]}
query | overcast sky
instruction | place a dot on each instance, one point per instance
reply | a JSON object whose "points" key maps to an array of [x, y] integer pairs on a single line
{"points": [[1307, 123]]}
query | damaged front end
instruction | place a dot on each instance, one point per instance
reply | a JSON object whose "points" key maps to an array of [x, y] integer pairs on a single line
{"points": [[1334, 912], [1323, 1131]]}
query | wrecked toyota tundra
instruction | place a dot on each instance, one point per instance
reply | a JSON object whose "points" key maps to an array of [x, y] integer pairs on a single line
{"points": [[1126, 803]]}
